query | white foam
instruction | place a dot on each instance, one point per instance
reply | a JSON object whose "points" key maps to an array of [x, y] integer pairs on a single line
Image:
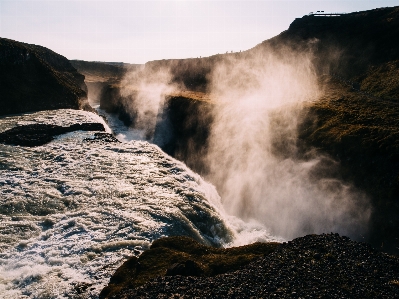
{"points": [[77, 209]]}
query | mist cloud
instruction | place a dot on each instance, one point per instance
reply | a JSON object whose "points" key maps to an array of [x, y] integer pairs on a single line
{"points": [[144, 93], [253, 157]]}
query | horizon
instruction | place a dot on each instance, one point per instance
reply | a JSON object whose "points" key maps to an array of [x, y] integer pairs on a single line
{"points": [[136, 32]]}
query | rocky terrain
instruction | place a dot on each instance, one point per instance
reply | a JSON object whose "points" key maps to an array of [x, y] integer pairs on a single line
{"points": [[189, 116], [34, 78], [184, 257], [314, 266]]}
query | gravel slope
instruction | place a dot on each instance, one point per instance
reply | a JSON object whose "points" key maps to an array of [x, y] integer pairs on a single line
{"points": [[314, 266]]}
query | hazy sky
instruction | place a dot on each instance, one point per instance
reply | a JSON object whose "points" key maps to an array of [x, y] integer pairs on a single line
{"points": [[139, 31]]}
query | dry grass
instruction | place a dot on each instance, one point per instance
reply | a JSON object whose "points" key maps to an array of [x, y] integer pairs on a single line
{"points": [[361, 131], [193, 95]]}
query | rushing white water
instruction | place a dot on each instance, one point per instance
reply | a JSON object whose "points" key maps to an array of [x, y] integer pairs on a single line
{"points": [[72, 211]]}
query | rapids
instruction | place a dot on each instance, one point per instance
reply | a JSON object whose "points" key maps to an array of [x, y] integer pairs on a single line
{"points": [[72, 211]]}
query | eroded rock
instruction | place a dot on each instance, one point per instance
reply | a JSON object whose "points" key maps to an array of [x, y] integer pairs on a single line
{"points": [[39, 134]]}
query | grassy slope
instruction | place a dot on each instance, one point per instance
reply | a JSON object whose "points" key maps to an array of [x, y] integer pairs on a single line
{"points": [[362, 133], [356, 120]]}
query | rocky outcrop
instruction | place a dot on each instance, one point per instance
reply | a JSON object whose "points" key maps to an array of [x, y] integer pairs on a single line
{"points": [[183, 123], [34, 78], [102, 137], [317, 266], [181, 256], [39, 134], [112, 101]]}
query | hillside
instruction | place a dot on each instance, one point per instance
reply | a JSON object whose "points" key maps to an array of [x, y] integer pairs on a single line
{"points": [[71, 202], [97, 71], [356, 120], [34, 78]]}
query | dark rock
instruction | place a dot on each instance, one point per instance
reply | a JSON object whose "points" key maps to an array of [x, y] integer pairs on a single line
{"points": [[102, 137], [188, 268], [39, 134], [176, 269], [34, 78], [183, 129]]}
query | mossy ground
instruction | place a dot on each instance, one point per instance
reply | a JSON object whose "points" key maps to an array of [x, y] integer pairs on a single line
{"points": [[360, 130]]}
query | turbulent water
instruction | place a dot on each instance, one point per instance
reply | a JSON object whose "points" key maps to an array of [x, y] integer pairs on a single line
{"points": [[73, 210]]}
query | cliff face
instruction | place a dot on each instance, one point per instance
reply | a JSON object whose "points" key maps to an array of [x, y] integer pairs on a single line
{"points": [[34, 78], [183, 122], [356, 46], [183, 130], [99, 71], [356, 119]]}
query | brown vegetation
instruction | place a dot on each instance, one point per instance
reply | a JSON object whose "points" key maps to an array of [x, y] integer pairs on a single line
{"points": [[167, 255]]}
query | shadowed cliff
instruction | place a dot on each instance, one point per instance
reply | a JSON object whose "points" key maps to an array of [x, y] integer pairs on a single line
{"points": [[34, 78]]}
